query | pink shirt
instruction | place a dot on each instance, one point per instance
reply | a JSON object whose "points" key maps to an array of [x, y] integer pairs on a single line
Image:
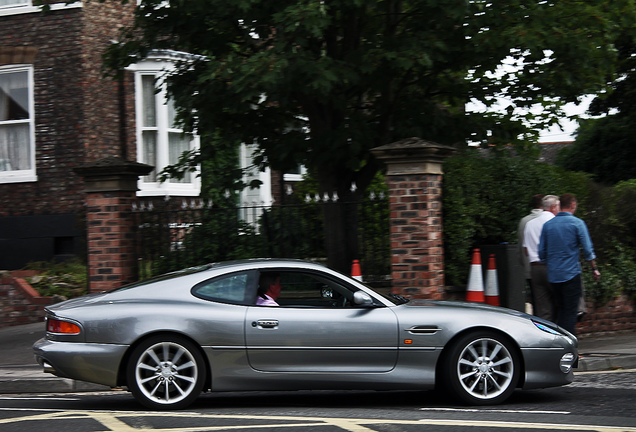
{"points": [[268, 301]]}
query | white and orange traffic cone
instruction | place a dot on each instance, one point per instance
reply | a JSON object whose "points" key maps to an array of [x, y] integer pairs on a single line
{"points": [[475, 290], [356, 273], [491, 292]]}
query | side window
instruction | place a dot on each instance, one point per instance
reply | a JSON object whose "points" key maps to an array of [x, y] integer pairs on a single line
{"points": [[311, 290], [236, 288]]}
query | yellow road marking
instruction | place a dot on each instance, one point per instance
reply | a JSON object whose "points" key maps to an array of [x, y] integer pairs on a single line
{"points": [[114, 421]]}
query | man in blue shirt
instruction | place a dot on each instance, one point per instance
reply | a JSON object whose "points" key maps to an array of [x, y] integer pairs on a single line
{"points": [[562, 238]]}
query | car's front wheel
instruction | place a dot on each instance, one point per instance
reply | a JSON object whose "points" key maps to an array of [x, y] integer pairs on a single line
{"points": [[482, 368], [166, 372]]}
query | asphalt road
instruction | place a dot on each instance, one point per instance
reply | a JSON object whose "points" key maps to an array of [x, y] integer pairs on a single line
{"points": [[16, 343], [599, 401]]}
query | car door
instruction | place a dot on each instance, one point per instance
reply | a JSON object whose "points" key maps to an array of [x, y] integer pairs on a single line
{"points": [[316, 329]]}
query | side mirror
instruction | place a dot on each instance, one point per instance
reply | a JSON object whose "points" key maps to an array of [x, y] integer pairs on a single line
{"points": [[360, 298]]}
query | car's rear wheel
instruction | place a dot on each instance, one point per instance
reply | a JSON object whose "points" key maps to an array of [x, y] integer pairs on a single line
{"points": [[166, 372], [482, 368]]}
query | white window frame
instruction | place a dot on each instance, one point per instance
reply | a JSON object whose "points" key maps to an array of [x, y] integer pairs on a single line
{"points": [[27, 175], [159, 64], [28, 7], [287, 177], [263, 195], [254, 201]]}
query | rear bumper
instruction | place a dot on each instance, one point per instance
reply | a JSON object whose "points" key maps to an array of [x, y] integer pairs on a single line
{"points": [[96, 363]]}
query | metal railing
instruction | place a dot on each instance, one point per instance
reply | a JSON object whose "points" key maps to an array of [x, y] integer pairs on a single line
{"points": [[194, 232]]}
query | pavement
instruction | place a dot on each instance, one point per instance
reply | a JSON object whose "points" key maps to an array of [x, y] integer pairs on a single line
{"points": [[20, 373]]}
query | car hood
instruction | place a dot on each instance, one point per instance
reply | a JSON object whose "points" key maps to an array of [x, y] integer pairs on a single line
{"points": [[468, 305], [480, 306]]}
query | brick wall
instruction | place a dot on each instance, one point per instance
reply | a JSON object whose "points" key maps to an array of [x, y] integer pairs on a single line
{"points": [[102, 101], [616, 315], [76, 109], [57, 117], [19, 302], [416, 235], [78, 119], [111, 247]]}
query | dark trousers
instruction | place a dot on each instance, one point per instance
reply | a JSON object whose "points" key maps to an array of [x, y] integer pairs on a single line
{"points": [[567, 295], [544, 303]]}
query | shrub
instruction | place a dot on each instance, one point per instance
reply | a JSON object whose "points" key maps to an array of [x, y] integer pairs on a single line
{"points": [[485, 196], [66, 279]]}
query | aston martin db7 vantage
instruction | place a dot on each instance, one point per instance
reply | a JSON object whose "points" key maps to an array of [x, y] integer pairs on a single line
{"points": [[271, 324]]}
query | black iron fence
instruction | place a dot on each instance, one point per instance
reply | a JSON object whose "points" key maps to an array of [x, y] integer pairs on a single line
{"points": [[197, 231]]}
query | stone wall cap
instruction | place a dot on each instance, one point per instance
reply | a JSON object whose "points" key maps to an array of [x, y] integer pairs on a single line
{"points": [[412, 143], [113, 166], [412, 156]]}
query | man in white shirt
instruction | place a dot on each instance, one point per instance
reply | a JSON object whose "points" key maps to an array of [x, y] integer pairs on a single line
{"points": [[544, 306], [537, 209]]}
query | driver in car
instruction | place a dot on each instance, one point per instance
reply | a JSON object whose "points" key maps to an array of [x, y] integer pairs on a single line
{"points": [[268, 289]]}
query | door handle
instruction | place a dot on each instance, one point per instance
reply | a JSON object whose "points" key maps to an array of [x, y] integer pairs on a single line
{"points": [[265, 323]]}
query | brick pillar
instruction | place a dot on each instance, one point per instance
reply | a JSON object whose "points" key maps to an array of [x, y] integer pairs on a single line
{"points": [[111, 186], [414, 177]]}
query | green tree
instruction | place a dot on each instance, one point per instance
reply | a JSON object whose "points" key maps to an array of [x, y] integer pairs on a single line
{"points": [[485, 196], [606, 147], [322, 82]]}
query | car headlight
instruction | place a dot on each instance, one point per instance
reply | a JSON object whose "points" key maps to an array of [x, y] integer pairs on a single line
{"points": [[547, 329]]}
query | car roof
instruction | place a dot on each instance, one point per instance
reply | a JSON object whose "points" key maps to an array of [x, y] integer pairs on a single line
{"points": [[192, 275]]}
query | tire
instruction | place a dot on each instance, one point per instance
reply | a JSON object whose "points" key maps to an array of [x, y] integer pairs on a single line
{"points": [[482, 368], [165, 372]]}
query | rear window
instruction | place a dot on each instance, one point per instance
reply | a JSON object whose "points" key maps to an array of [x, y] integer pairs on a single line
{"points": [[163, 277], [234, 288]]}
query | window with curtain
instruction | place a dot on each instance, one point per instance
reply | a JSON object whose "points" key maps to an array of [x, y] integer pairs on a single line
{"points": [[161, 142], [21, 7], [17, 147], [12, 3]]}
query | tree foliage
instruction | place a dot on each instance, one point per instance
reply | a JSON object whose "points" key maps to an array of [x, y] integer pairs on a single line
{"points": [[611, 218], [485, 196], [606, 147], [322, 82]]}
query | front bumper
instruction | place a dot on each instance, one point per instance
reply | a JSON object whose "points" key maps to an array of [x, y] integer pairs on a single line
{"points": [[95, 363], [543, 367]]}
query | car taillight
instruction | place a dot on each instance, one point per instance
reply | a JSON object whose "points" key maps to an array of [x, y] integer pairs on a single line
{"points": [[55, 325]]}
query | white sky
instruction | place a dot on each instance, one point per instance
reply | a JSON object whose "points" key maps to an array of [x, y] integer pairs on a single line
{"points": [[555, 133], [568, 127]]}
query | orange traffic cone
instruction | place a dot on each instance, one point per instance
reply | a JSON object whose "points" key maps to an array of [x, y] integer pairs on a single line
{"points": [[491, 292], [475, 290], [355, 270]]}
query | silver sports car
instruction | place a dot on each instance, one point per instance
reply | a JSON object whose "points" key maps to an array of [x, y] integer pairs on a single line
{"points": [[290, 325]]}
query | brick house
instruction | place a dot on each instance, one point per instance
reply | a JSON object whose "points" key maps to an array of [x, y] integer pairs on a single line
{"points": [[58, 112]]}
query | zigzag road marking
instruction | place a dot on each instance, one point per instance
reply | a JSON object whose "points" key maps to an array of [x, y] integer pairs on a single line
{"points": [[115, 421]]}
